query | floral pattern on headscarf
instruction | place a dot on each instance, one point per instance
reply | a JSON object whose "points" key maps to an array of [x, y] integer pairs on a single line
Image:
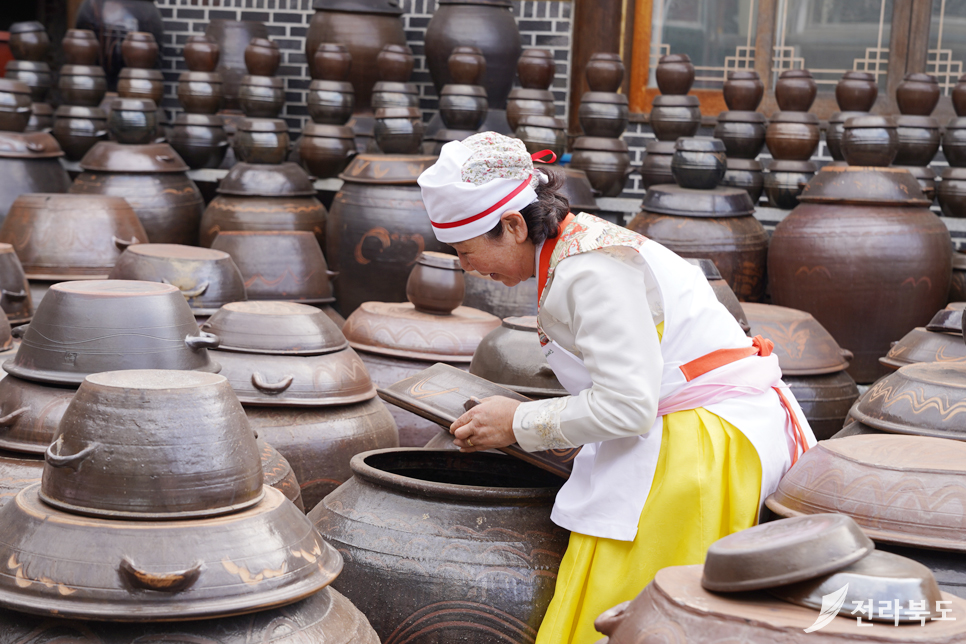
{"points": [[495, 156]]}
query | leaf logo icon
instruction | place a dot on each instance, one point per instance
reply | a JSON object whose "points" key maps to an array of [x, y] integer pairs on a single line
{"points": [[831, 604]]}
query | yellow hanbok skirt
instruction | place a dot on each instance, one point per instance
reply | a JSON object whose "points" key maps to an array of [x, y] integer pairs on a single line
{"points": [[706, 486]]}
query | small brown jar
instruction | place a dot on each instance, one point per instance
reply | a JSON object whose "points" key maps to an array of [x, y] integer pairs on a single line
{"points": [[792, 136], [133, 82], [393, 94], [78, 128], [603, 114], [29, 41], [261, 140], [656, 167], [15, 104], [436, 284], [795, 90], [201, 53], [870, 141], [954, 142], [918, 94], [261, 96], [745, 174], [262, 57], [139, 50], [698, 163], [399, 130], [605, 72], [201, 92], [959, 96], [200, 139], [36, 75], [536, 68], [743, 91], [463, 107], [540, 133], [331, 102], [785, 180], [918, 140], [675, 74], [82, 85], [524, 102], [395, 63], [856, 92], [332, 61], [836, 128], [742, 132], [41, 118], [80, 47], [325, 150], [466, 65], [607, 163], [133, 121], [675, 116]]}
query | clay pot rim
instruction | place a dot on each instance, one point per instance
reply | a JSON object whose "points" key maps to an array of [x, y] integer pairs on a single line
{"points": [[666, 58], [272, 82], [699, 144], [298, 183], [80, 111], [83, 34], [912, 120], [235, 320], [133, 105], [824, 189], [394, 87], [361, 169], [262, 125], [204, 120], [795, 73], [332, 46], [36, 66], [794, 117], [140, 36], [675, 100], [440, 260], [398, 113], [82, 70], [744, 74], [137, 73], [528, 94], [319, 85], [28, 145], [26, 26], [110, 156], [604, 97], [919, 77], [741, 116], [751, 165], [551, 122], [456, 89], [601, 143], [324, 130], [857, 75], [870, 121], [214, 78], [10, 86], [433, 489], [832, 358], [720, 202]]}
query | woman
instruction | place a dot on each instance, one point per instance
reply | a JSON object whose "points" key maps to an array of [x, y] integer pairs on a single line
{"points": [[684, 423]]}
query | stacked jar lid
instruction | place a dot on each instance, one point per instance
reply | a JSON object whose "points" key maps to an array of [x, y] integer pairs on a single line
{"points": [[673, 114], [700, 219], [326, 144], [152, 508], [742, 130], [198, 133], [398, 126], [29, 43], [951, 190], [603, 114], [941, 340], [79, 122], [463, 103], [792, 137], [855, 94], [396, 340], [304, 389]]}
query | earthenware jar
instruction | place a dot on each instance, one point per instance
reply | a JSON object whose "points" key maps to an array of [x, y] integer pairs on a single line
{"points": [[133, 121], [436, 284], [870, 141], [261, 96], [675, 116], [15, 298], [111, 21], [957, 290], [331, 61], [656, 167], [675, 74], [80, 47], [716, 224], [959, 96], [836, 128], [485, 24], [29, 41], [909, 245], [940, 341], [606, 161], [82, 85], [402, 486], [536, 68], [325, 150], [951, 192], [41, 118], [954, 142], [14, 105], [746, 174], [331, 102], [78, 128], [795, 90], [742, 132], [785, 181], [379, 194], [542, 133], [261, 140], [256, 197], [466, 65], [232, 37], [364, 27], [36, 75], [792, 136], [926, 176], [200, 92], [139, 49], [399, 130], [201, 53], [488, 295], [140, 83], [698, 162], [743, 91], [918, 140], [918, 94], [262, 57], [463, 107], [528, 102], [510, 356], [856, 91], [602, 114], [29, 162], [200, 139], [394, 94], [152, 178]]}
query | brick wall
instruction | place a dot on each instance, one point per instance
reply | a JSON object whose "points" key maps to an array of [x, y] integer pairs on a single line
{"points": [[542, 23]]}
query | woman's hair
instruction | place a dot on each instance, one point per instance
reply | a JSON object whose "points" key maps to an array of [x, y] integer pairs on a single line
{"points": [[544, 215]]}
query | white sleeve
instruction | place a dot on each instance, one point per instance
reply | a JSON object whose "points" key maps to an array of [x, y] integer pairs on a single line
{"points": [[602, 301]]}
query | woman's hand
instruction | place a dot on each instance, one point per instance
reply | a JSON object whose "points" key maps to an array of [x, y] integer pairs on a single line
{"points": [[487, 426]]}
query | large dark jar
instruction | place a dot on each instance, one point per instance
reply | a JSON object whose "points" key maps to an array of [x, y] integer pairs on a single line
{"points": [[862, 245], [231, 38], [377, 228], [111, 21], [29, 162], [485, 24], [441, 546], [364, 27]]}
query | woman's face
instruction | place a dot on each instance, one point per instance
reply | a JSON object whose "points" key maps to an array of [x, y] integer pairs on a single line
{"points": [[508, 258]]}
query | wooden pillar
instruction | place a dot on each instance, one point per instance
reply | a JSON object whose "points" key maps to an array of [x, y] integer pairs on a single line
{"points": [[765, 52], [908, 46], [597, 28], [640, 59]]}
